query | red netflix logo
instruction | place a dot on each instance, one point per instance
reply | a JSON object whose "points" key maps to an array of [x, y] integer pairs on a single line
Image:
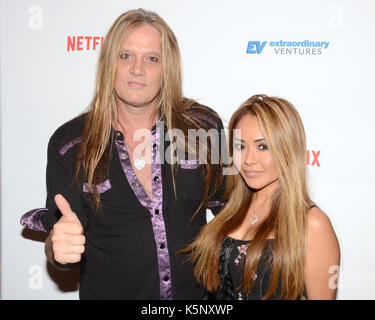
{"points": [[312, 158], [84, 43]]}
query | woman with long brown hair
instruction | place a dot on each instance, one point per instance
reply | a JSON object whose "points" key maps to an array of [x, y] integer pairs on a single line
{"points": [[270, 241]]}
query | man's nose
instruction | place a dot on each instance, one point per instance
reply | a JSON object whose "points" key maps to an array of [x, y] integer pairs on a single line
{"points": [[137, 68]]}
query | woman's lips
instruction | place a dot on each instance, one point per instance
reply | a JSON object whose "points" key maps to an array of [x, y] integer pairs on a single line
{"points": [[251, 173]]}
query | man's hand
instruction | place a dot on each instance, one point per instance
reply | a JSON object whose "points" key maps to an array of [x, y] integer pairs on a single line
{"points": [[68, 241]]}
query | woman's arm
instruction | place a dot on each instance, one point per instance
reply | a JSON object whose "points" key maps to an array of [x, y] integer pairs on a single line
{"points": [[322, 257]]}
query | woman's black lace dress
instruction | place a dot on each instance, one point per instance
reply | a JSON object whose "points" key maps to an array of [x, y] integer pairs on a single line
{"points": [[232, 257]]}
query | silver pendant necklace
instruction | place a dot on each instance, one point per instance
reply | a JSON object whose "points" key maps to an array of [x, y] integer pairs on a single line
{"points": [[254, 217], [138, 162]]}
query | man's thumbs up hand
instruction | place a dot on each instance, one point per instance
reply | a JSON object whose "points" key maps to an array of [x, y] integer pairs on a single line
{"points": [[68, 241]]}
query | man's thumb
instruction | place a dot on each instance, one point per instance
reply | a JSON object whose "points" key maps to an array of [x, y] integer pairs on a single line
{"points": [[66, 211]]}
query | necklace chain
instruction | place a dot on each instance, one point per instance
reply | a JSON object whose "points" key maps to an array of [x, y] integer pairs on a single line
{"points": [[254, 217], [132, 150], [138, 161]]}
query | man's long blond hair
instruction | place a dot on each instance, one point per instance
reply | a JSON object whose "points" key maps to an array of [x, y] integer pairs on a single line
{"points": [[283, 130], [94, 151]]}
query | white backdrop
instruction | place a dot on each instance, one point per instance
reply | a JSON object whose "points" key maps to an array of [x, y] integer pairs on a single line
{"points": [[43, 84]]}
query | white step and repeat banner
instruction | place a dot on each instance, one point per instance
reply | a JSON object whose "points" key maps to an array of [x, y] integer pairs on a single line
{"points": [[319, 54]]}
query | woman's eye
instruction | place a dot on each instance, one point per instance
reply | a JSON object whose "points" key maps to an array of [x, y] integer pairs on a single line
{"points": [[239, 146], [263, 147]]}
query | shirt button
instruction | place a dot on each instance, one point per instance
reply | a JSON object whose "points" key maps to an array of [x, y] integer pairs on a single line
{"points": [[162, 246], [124, 156], [156, 211], [154, 146], [136, 185], [156, 178], [166, 278]]}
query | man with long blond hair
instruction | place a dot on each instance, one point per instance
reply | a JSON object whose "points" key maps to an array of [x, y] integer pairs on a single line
{"points": [[120, 202]]}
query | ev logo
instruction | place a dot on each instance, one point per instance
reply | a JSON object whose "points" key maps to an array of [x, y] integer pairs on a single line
{"points": [[255, 47]]}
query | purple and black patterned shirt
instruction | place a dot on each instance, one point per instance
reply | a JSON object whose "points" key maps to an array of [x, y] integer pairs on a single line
{"points": [[130, 250]]}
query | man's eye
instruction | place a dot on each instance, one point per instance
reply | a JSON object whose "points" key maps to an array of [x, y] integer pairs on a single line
{"points": [[263, 147], [125, 56], [153, 59]]}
